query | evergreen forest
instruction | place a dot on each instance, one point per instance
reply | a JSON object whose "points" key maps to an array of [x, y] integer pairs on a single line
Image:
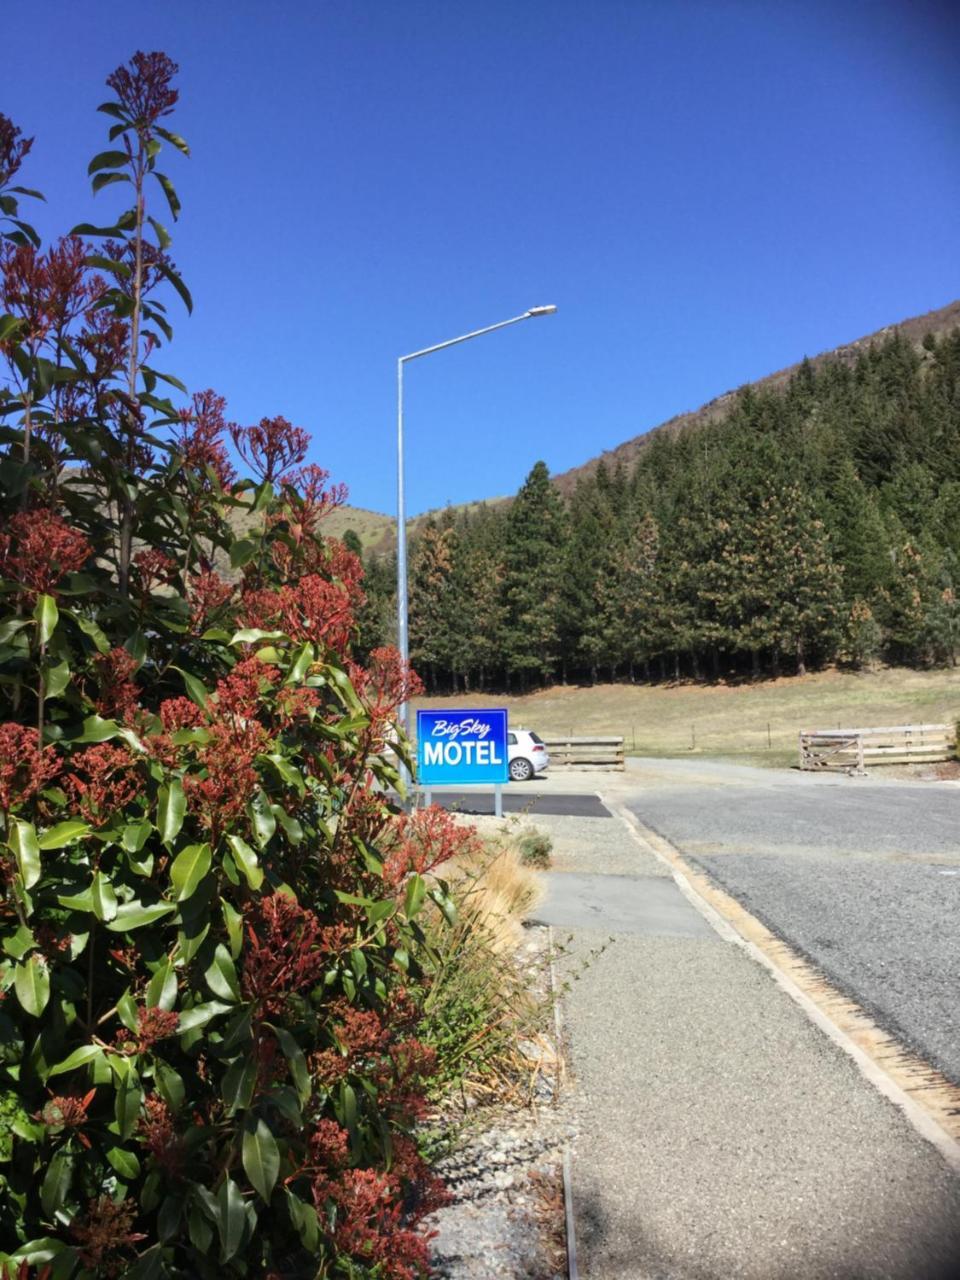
{"points": [[812, 524]]}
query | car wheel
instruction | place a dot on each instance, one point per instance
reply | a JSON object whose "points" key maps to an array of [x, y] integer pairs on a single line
{"points": [[520, 770]]}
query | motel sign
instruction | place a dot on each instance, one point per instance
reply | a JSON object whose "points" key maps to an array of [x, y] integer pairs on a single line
{"points": [[461, 747]]}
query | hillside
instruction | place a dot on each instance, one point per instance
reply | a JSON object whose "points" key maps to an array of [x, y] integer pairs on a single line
{"points": [[934, 322], [376, 531]]}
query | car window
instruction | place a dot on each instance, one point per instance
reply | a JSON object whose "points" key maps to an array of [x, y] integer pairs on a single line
{"points": [[511, 739], [536, 737]]}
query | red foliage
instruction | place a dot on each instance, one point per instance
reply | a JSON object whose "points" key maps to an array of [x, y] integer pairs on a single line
{"points": [[424, 840], [199, 438], [25, 767], [67, 1112], [143, 87], [207, 594], [155, 1024], [160, 1136], [180, 713], [220, 797], [102, 782], [272, 448], [369, 1226], [119, 695], [239, 695], [40, 550], [104, 1233], [151, 569], [14, 148], [286, 952], [318, 611]]}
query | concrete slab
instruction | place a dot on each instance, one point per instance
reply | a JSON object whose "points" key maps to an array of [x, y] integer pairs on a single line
{"points": [[644, 906]]}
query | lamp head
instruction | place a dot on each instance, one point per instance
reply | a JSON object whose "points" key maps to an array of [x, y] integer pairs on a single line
{"points": [[541, 311]]}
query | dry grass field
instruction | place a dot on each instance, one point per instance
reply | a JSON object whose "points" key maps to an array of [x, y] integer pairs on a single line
{"points": [[732, 720]]}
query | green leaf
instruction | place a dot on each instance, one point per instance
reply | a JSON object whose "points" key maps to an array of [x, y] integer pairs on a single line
{"points": [[162, 987], [246, 860], [90, 629], [46, 615], [86, 1053], [32, 985], [234, 922], [56, 1183], [17, 944], [135, 835], [107, 160], [163, 237], [126, 1107], [127, 1010], [306, 655], [242, 552], [134, 915], [174, 139], [195, 688], [253, 635], [298, 1063], [96, 729], [239, 1082], [261, 1156], [125, 1162], [173, 199], [231, 1218], [261, 816], [102, 180], [413, 899], [168, 273], [104, 898], [26, 850], [221, 976], [171, 810], [62, 834], [188, 869], [201, 1014], [305, 1221], [56, 679]]}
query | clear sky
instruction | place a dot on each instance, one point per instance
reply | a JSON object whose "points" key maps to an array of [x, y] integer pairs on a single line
{"points": [[707, 190]]}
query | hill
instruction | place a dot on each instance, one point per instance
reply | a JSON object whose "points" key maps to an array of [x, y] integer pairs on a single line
{"points": [[914, 329], [376, 530]]}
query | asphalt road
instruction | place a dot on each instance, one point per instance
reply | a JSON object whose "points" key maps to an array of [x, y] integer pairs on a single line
{"points": [[524, 801], [864, 879]]}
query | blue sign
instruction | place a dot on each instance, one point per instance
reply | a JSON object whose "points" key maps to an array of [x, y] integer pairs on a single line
{"points": [[461, 746]]}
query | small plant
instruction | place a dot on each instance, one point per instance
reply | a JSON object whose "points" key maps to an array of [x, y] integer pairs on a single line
{"points": [[534, 847]]}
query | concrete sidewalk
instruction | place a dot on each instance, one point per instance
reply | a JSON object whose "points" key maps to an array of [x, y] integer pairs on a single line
{"points": [[722, 1134]]}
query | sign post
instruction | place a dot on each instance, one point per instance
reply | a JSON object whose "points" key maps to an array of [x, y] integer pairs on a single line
{"points": [[463, 748]]}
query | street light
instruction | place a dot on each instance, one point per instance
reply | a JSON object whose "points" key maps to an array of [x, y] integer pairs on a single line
{"points": [[403, 642]]}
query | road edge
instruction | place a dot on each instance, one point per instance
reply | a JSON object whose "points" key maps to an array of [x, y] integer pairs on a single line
{"points": [[930, 1102]]}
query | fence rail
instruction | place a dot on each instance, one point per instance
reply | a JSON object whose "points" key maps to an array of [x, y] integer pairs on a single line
{"points": [[851, 750], [585, 753]]}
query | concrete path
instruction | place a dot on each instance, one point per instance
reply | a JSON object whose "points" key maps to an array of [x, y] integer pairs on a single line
{"points": [[721, 1133]]}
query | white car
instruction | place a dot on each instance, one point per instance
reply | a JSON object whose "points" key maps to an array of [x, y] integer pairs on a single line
{"points": [[526, 754]]}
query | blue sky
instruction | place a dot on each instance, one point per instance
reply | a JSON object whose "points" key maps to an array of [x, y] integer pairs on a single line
{"points": [[707, 191]]}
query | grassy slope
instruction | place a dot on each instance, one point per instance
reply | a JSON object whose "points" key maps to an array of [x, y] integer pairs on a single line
{"points": [[731, 720]]}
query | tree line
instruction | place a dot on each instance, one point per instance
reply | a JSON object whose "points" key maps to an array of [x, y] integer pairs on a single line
{"points": [[814, 523]]}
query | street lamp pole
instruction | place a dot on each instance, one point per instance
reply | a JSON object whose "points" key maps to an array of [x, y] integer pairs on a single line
{"points": [[403, 635]]}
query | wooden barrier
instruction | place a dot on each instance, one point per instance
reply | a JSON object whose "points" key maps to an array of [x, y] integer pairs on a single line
{"points": [[585, 753], [851, 750]]}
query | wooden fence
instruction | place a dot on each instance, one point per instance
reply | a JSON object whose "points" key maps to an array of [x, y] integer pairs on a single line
{"points": [[585, 753], [851, 750]]}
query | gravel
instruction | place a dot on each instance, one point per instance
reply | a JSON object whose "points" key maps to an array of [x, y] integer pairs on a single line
{"points": [[503, 1179]]}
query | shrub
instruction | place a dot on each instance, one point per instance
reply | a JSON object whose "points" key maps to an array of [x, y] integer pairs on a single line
{"points": [[211, 952], [534, 847]]}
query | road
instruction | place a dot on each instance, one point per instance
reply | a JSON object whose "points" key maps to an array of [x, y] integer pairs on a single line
{"points": [[862, 877]]}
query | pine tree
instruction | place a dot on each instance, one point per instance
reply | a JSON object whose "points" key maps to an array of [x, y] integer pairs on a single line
{"points": [[533, 560]]}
